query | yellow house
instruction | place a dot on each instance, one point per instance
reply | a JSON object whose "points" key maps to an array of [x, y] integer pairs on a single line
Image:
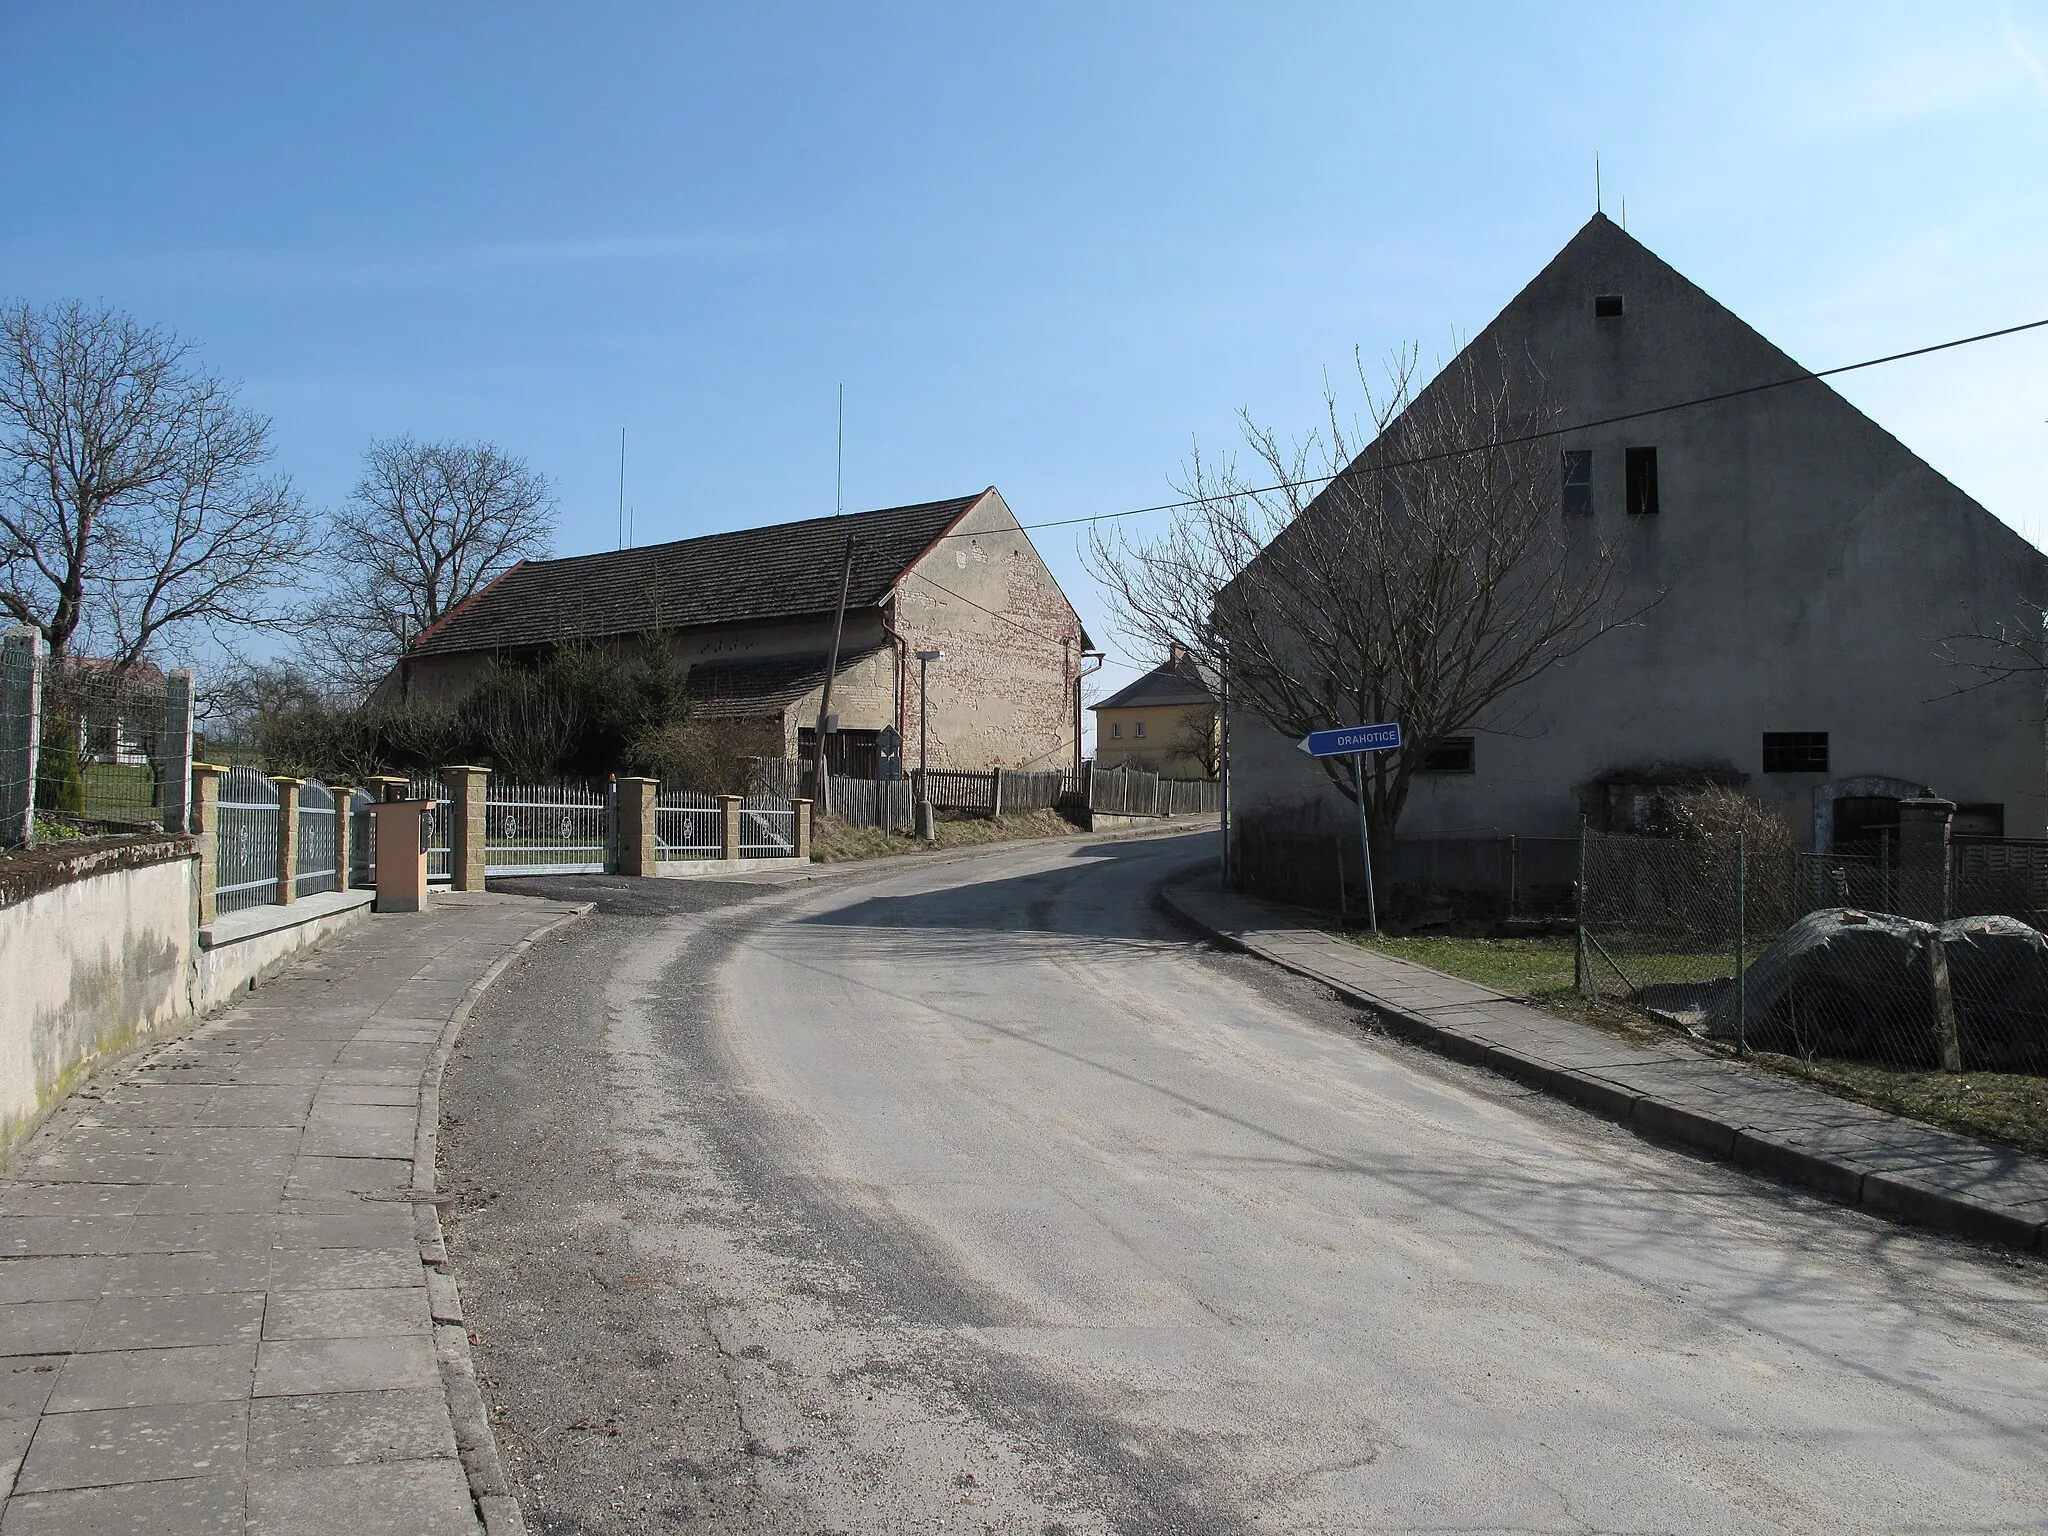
{"points": [[1165, 721]]}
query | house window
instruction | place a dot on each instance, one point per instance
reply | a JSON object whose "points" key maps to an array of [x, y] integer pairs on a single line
{"points": [[1140, 731], [1642, 481], [1987, 820], [1607, 306], [1795, 751], [1453, 754], [1578, 482], [1116, 731]]}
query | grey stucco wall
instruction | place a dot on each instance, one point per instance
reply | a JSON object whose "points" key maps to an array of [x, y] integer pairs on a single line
{"points": [[1811, 565]]}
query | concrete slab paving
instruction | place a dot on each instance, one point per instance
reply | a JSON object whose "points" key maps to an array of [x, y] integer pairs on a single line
{"points": [[213, 1314], [1719, 1105]]}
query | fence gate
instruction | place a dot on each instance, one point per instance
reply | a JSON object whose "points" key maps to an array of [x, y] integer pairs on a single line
{"points": [[767, 828], [687, 825], [547, 829]]}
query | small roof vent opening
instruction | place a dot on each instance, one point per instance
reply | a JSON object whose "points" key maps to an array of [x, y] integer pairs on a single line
{"points": [[1607, 306]]}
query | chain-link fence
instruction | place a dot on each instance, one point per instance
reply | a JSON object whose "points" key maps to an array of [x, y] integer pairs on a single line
{"points": [[1846, 956], [89, 746], [100, 760]]}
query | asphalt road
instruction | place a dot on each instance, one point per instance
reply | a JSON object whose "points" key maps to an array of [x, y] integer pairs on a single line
{"points": [[972, 1195]]}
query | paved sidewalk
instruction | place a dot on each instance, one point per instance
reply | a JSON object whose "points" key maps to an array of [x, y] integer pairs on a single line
{"points": [[218, 1301], [1711, 1103]]}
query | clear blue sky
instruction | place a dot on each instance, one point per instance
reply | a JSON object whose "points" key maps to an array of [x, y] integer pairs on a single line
{"points": [[1043, 246]]}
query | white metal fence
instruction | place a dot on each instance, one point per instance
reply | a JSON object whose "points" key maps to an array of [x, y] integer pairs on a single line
{"points": [[687, 825], [767, 828], [246, 845], [547, 829], [313, 863]]}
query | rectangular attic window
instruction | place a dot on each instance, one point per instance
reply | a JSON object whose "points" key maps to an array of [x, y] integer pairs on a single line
{"points": [[1641, 467], [1453, 754], [1607, 306], [1795, 751]]}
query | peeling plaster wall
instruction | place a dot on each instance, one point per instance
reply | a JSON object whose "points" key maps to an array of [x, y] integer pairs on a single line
{"points": [[91, 967], [1004, 695]]}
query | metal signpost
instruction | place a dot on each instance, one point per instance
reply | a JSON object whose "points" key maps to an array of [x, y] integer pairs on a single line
{"points": [[1355, 741]]}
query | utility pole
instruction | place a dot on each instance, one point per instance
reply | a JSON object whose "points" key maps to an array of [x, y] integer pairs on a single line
{"points": [[821, 787], [926, 829]]}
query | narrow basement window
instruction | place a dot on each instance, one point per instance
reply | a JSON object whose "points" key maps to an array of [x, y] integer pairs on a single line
{"points": [[1641, 467], [1795, 751], [1578, 482], [1607, 306], [1453, 754]]}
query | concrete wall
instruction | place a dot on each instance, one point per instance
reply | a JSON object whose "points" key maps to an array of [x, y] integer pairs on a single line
{"points": [[1004, 696], [1812, 567], [91, 966], [100, 949]]}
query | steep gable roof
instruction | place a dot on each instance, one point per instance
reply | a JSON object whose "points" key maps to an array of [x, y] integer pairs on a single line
{"points": [[1174, 681], [786, 571], [1713, 352]]}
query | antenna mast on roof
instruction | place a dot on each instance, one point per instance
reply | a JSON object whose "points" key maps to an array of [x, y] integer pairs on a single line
{"points": [[1596, 181], [622, 487], [839, 474]]}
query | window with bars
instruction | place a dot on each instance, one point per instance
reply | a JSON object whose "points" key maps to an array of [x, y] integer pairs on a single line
{"points": [[1453, 754], [1795, 751]]}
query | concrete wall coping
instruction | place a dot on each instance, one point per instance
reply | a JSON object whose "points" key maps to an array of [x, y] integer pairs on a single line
{"points": [[690, 869], [31, 871], [254, 922]]}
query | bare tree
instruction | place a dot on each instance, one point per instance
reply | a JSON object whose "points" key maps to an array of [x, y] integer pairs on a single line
{"points": [[428, 526], [1999, 651], [134, 502], [1431, 576]]}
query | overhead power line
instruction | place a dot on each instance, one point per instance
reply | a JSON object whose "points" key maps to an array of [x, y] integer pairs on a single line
{"points": [[1804, 377]]}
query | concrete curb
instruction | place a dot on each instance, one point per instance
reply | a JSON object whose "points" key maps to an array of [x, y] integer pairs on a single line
{"points": [[497, 1506], [1891, 1193]]}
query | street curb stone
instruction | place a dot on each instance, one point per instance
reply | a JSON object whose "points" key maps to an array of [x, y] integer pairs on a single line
{"points": [[490, 1489], [1895, 1194]]}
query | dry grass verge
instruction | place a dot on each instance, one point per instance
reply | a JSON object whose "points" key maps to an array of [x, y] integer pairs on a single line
{"points": [[1995, 1106], [834, 842]]}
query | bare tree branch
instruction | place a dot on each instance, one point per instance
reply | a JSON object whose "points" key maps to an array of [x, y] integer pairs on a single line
{"points": [[133, 503], [428, 526], [1431, 577]]}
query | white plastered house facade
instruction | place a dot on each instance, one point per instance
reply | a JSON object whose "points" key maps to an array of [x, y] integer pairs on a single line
{"points": [[1812, 568]]}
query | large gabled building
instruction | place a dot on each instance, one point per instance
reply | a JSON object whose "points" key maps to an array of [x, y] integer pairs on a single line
{"points": [[1812, 567], [751, 615]]}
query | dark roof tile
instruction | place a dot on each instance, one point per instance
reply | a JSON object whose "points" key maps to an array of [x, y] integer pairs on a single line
{"points": [[1175, 681], [788, 571]]}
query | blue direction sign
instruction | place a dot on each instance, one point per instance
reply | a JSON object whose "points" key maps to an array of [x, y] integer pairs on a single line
{"points": [[1352, 738]]}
